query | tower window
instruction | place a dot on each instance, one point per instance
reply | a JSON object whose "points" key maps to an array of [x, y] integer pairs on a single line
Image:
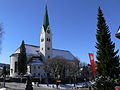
{"points": [[48, 48], [42, 48], [48, 31], [49, 39], [42, 40], [15, 66]]}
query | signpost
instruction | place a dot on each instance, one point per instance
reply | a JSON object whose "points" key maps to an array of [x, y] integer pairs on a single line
{"points": [[58, 83]]}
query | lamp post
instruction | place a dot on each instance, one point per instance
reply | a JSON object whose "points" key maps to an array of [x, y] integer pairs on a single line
{"points": [[29, 82], [58, 81]]}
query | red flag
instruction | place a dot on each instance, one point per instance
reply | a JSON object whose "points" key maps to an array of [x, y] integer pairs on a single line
{"points": [[92, 63]]}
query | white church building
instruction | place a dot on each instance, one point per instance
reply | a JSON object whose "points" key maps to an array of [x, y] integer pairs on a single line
{"points": [[36, 55]]}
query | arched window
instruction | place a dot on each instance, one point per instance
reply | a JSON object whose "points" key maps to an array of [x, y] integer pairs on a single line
{"points": [[48, 39], [42, 40], [16, 64]]}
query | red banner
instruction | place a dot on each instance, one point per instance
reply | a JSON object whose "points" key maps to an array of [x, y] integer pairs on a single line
{"points": [[91, 56]]}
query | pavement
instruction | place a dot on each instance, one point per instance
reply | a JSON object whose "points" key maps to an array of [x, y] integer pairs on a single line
{"points": [[21, 86]]}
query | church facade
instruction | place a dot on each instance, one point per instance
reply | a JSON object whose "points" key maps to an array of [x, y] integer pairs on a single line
{"points": [[36, 55]]}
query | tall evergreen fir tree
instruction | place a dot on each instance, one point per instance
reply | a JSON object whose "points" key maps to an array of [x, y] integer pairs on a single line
{"points": [[22, 60], [4, 73], [108, 61]]}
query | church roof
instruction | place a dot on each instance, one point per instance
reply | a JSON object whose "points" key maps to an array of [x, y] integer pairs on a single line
{"points": [[66, 54], [34, 50], [30, 49], [46, 19], [35, 60]]}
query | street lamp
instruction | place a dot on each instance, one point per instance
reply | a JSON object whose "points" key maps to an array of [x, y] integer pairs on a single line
{"points": [[29, 82]]}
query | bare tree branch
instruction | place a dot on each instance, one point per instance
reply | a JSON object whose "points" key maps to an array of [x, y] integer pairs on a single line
{"points": [[1, 35]]}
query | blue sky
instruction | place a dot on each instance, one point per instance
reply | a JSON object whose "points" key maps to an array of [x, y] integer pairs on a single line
{"points": [[73, 24]]}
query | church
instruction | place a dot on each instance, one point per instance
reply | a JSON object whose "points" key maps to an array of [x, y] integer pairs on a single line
{"points": [[36, 55]]}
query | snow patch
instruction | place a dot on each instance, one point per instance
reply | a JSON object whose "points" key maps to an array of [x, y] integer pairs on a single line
{"points": [[66, 86], [63, 53], [34, 50], [3, 89]]}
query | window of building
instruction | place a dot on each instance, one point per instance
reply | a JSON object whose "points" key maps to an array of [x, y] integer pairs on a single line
{"points": [[38, 74], [37, 51], [15, 66], [34, 67], [42, 40], [48, 31], [48, 48], [44, 74], [11, 70], [49, 39], [38, 67], [34, 74], [48, 57], [42, 48]]}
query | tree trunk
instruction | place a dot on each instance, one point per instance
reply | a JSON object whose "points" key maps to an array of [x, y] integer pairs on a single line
{"points": [[4, 77], [74, 81]]}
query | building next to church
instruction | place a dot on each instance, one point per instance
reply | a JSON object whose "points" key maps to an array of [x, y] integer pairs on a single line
{"points": [[36, 55]]}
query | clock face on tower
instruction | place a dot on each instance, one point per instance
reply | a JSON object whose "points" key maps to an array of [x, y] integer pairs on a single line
{"points": [[48, 31]]}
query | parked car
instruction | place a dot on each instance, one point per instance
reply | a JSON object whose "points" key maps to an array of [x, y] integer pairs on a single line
{"points": [[83, 85]]}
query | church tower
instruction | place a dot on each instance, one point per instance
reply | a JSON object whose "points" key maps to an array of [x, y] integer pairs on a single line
{"points": [[46, 38]]}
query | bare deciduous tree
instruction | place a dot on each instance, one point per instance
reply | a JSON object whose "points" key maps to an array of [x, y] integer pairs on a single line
{"points": [[61, 67], [55, 66], [74, 69], [1, 34]]}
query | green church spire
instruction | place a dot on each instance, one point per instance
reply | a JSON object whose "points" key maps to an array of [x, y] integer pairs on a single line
{"points": [[46, 19]]}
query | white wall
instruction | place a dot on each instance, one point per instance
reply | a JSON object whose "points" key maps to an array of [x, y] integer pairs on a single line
{"points": [[46, 44], [13, 59], [36, 70]]}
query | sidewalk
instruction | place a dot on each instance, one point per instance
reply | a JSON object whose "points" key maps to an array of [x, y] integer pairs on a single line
{"points": [[21, 86]]}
